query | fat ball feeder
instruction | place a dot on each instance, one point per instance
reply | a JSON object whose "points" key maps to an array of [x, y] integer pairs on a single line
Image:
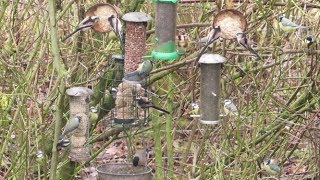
{"points": [[79, 108]]}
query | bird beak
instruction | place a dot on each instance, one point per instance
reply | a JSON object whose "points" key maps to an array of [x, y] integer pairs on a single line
{"points": [[86, 23]]}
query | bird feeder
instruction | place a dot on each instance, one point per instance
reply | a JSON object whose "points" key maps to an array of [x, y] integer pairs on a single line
{"points": [[135, 39], [210, 67], [103, 11], [230, 22], [123, 172], [79, 140], [166, 14], [125, 111]]}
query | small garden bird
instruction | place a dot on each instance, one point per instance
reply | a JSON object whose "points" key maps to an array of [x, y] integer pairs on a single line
{"points": [[242, 39], [271, 167], [143, 103], [140, 158], [287, 25], [230, 108]]}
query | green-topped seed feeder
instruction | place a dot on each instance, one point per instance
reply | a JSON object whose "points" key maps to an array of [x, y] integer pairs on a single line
{"points": [[166, 15]]}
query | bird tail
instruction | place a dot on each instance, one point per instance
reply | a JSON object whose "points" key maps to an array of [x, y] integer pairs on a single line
{"points": [[160, 109], [255, 53]]}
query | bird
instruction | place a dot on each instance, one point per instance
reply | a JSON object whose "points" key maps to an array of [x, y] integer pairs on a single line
{"points": [[287, 25], [242, 39], [271, 167], [213, 35], [39, 157], [195, 109], [117, 28], [86, 23], [71, 125], [93, 114], [310, 41], [141, 73], [230, 108], [140, 158], [62, 144], [143, 103]]}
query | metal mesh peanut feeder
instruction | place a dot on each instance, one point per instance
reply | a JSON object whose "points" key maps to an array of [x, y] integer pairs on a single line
{"points": [[230, 22], [135, 39], [123, 172], [210, 67], [166, 14], [79, 106]]}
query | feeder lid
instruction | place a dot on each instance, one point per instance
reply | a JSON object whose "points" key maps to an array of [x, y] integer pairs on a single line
{"points": [[79, 91], [137, 17], [212, 59], [230, 22], [103, 11]]}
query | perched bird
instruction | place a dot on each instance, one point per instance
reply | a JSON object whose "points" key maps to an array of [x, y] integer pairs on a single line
{"points": [[71, 125], [140, 158], [242, 39], [39, 156], [142, 71], [93, 114], [195, 109], [271, 167], [310, 41], [86, 23], [287, 25], [62, 144], [230, 108], [143, 103], [117, 28], [213, 35]]}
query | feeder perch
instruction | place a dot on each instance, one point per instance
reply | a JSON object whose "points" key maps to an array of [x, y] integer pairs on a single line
{"points": [[125, 111], [103, 11], [210, 67], [230, 22], [123, 172], [166, 15], [135, 39], [79, 140]]}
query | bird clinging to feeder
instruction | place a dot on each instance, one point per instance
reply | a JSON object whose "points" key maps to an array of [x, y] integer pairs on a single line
{"points": [[141, 73], [143, 103], [243, 41], [102, 17]]}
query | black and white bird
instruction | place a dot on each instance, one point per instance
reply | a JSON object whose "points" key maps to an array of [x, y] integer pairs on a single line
{"points": [[143, 103], [243, 41]]}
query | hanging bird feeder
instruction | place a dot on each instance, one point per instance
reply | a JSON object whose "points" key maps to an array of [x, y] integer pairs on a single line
{"points": [[166, 15], [79, 107], [96, 17], [210, 70], [135, 39], [230, 22]]}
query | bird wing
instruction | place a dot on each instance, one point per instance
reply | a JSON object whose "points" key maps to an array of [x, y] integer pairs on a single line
{"points": [[275, 167], [71, 125], [287, 22]]}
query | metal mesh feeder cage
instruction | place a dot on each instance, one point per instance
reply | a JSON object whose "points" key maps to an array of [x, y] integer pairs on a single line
{"points": [[166, 14], [230, 22], [125, 111], [210, 69], [79, 107], [135, 38], [123, 172]]}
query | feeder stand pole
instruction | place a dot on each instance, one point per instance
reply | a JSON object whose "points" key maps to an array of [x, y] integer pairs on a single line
{"points": [[210, 67]]}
